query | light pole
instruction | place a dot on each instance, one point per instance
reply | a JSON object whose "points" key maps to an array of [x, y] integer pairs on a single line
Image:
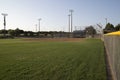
{"points": [[69, 23], [39, 25], [4, 14], [71, 11]]}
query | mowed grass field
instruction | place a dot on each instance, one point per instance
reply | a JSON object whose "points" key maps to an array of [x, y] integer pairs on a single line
{"points": [[24, 59]]}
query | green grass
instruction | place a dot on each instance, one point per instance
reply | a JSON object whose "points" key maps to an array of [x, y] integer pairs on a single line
{"points": [[25, 60]]}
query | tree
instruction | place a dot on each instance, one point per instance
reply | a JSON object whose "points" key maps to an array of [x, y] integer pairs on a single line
{"points": [[109, 28], [25, 33], [117, 27], [31, 34], [11, 32], [90, 31], [3, 31], [18, 32]]}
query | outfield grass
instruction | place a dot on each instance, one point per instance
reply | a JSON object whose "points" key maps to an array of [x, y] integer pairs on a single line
{"points": [[48, 60]]}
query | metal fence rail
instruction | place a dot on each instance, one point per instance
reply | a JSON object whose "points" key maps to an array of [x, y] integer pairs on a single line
{"points": [[112, 45]]}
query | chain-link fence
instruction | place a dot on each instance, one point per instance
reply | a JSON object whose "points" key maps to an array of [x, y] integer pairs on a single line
{"points": [[112, 45]]}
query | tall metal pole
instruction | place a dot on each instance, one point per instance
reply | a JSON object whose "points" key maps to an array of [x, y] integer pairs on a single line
{"points": [[69, 23], [39, 26], [71, 11], [4, 23], [39, 23]]}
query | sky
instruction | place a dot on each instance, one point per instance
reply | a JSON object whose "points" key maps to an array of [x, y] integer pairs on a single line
{"points": [[24, 14]]}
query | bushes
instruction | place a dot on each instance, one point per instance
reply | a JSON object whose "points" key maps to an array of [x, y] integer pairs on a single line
{"points": [[6, 37]]}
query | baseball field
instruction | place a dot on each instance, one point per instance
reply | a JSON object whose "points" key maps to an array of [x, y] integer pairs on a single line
{"points": [[52, 59]]}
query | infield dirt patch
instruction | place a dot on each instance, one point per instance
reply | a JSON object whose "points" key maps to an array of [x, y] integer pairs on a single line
{"points": [[55, 39]]}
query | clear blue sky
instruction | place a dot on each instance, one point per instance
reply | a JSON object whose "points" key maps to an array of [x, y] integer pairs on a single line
{"points": [[24, 14]]}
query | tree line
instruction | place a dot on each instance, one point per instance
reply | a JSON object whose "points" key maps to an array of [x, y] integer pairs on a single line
{"points": [[21, 33], [111, 28], [88, 31]]}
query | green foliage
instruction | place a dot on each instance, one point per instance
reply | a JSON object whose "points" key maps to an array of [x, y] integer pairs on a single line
{"points": [[117, 27], [11, 32], [3, 31], [90, 31], [109, 28], [26, 60], [18, 32]]}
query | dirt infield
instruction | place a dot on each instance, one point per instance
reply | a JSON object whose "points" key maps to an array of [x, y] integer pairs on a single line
{"points": [[55, 39]]}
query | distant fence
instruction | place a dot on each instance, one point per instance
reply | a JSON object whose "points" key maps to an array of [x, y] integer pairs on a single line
{"points": [[112, 45]]}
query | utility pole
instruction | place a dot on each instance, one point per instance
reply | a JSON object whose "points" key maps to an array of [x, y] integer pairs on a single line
{"points": [[4, 23], [71, 11], [69, 23]]}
